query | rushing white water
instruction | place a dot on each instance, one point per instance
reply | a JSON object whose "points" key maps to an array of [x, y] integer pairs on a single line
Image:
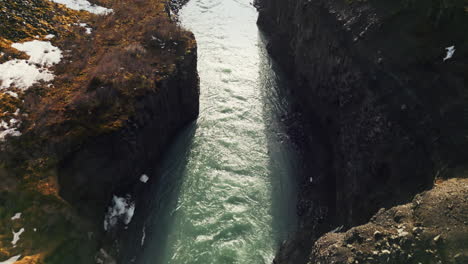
{"points": [[226, 192]]}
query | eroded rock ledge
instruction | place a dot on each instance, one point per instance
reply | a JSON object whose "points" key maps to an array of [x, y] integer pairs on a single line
{"points": [[378, 81], [431, 229], [126, 84]]}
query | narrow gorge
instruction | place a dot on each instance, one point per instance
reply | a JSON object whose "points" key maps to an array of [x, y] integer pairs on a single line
{"points": [[232, 131]]}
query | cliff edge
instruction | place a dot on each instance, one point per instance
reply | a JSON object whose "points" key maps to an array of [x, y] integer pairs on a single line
{"points": [[91, 93]]}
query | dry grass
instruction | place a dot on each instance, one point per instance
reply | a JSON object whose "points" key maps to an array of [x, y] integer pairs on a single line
{"points": [[127, 55]]}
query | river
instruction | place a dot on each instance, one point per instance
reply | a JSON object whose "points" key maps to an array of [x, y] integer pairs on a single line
{"points": [[226, 192]]}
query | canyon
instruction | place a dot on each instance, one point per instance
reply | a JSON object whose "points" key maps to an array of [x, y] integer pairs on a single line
{"points": [[177, 132]]}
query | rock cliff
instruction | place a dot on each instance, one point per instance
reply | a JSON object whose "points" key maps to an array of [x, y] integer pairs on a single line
{"points": [[97, 116], [431, 229], [382, 87]]}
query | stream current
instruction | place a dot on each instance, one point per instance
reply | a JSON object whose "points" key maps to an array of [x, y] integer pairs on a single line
{"points": [[226, 188]]}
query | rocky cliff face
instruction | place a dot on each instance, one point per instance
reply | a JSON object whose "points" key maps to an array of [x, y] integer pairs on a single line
{"points": [[111, 163], [380, 82], [76, 141]]}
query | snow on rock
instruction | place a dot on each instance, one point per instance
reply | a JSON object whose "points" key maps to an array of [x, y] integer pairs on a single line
{"points": [[450, 52], [88, 29], [9, 132], [14, 121], [12, 94], [25, 73], [16, 236], [84, 5], [16, 216], [11, 260], [6, 130], [50, 36], [144, 178], [3, 125], [10, 128], [143, 237], [122, 210]]}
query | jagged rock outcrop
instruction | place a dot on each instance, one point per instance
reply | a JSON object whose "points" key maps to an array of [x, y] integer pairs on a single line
{"points": [[431, 229], [379, 82]]}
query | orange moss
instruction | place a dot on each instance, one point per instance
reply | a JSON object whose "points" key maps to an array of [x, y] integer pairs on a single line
{"points": [[9, 52], [30, 18], [8, 104], [34, 259]]}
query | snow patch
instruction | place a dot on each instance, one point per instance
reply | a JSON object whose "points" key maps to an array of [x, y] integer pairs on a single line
{"points": [[14, 121], [7, 130], [25, 73], [144, 178], [40, 52], [143, 236], [10, 128], [12, 94], [336, 230], [50, 36], [16, 216], [122, 210], [450, 51], [22, 74], [11, 260], [89, 30], [16, 236], [84, 5]]}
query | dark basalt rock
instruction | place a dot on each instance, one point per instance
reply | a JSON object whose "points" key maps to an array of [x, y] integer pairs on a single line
{"points": [[113, 163], [371, 76]]}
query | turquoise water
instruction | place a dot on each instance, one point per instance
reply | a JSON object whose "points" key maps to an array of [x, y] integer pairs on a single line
{"points": [[226, 193]]}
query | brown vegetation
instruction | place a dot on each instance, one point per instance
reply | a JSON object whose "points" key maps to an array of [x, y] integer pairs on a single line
{"points": [[129, 52]]}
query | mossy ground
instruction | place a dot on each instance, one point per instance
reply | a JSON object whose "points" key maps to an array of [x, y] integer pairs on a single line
{"points": [[97, 84]]}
